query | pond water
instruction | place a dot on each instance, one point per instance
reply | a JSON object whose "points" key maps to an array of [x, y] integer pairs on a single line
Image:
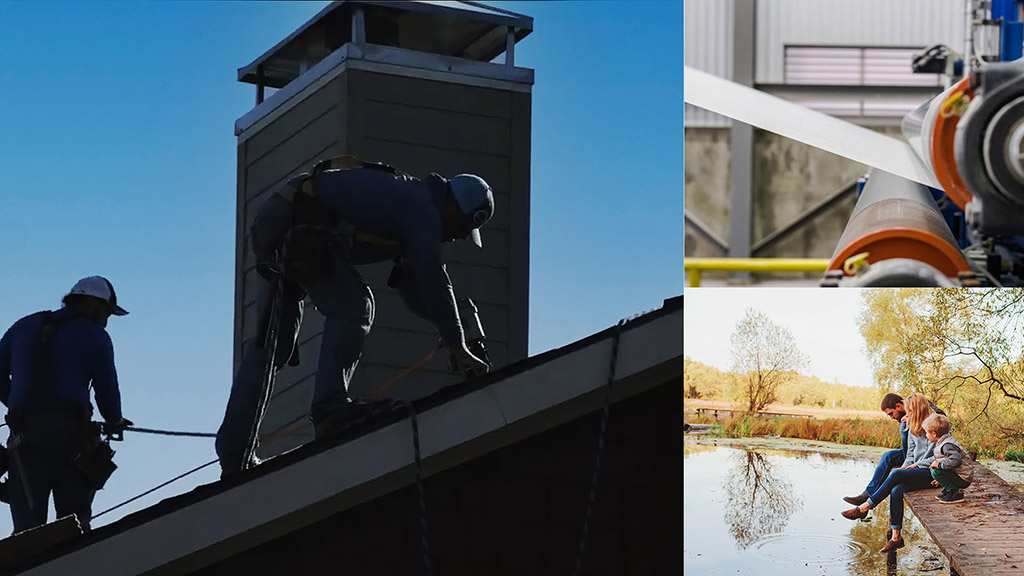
{"points": [[773, 509]]}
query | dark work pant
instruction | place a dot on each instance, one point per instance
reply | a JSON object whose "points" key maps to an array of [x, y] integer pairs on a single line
{"points": [[347, 305], [45, 458], [949, 480]]}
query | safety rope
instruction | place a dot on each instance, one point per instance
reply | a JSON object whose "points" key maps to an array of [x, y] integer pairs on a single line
{"points": [[595, 474], [424, 534], [151, 490], [276, 299], [171, 432], [384, 385]]}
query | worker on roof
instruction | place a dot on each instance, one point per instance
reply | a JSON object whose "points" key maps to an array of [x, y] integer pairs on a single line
{"points": [[48, 361], [326, 223]]}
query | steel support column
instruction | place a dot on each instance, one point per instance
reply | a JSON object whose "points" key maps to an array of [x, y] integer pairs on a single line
{"points": [[741, 144]]}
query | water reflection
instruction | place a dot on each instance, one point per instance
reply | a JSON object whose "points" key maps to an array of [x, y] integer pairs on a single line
{"points": [[759, 501], [779, 509]]}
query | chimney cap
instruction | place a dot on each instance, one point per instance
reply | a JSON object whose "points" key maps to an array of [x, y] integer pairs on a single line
{"points": [[463, 29]]}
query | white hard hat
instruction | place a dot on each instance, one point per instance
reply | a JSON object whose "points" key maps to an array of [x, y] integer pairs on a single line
{"points": [[99, 287]]}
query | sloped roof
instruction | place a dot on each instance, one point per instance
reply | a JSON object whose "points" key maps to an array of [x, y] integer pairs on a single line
{"points": [[456, 424]]}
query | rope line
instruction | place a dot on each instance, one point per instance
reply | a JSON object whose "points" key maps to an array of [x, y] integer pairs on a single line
{"points": [[600, 449], [384, 385], [151, 490], [424, 539], [171, 432]]}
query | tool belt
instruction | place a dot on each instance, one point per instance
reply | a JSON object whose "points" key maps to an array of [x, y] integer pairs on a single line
{"points": [[93, 456], [309, 253]]}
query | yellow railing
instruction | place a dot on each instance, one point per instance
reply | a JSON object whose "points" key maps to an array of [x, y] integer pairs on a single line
{"points": [[697, 265]]}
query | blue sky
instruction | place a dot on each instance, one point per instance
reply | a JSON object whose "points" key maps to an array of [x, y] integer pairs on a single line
{"points": [[118, 158]]}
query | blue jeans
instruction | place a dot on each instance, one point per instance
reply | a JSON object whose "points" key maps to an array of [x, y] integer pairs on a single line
{"points": [[899, 482], [891, 459]]}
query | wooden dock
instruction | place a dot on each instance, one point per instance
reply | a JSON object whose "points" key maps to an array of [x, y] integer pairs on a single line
{"points": [[724, 413], [983, 536]]}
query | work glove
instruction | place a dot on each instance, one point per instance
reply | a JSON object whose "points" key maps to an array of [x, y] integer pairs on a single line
{"points": [[116, 429], [469, 365]]}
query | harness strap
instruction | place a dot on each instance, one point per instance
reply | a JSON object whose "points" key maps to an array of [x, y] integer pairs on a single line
{"points": [[307, 188]]}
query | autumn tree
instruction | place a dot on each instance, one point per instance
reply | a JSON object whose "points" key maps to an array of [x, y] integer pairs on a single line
{"points": [[901, 332], [961, 347], [765, 356], [703, 381]]}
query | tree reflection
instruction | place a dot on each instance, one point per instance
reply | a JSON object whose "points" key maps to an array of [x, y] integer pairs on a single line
{"points": [[759, 501]]}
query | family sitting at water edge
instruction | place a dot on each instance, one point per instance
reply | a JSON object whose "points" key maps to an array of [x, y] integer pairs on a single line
{"points": [[929, 457]]}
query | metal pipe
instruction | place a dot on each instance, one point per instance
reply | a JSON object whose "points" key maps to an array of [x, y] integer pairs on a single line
{"points": [[897, 218], [696, 265], [510, 46]]}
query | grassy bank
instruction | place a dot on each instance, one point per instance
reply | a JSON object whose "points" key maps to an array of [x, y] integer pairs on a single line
{"points": [[883, 433], [859, 432]]}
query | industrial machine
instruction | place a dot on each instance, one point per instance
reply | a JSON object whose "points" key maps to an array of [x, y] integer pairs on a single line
{"points": [[952, 212]]}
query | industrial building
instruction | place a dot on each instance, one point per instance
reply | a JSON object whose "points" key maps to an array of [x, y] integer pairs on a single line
{"points": [[769, 199]]}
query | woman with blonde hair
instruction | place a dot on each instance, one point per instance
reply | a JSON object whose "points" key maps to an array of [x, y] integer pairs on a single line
{"points": [[913, 475]]}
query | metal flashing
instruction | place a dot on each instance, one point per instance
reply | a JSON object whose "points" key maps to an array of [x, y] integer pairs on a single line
{"points": [[451, 27], [388, 60]]}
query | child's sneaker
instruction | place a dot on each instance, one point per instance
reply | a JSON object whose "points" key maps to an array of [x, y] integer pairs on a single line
{"points": [[942, 495], [954, 498]]}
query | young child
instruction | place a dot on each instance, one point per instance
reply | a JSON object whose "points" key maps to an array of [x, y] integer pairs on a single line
{"points": [[952, 469]]}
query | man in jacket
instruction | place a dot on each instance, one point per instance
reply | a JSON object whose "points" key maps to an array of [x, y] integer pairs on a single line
{"points": [[317, 230], [48, 362], [892, 405]]}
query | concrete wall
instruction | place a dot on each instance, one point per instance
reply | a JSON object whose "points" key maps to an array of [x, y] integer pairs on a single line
{"points": [[419, 126], [789, 178], [518, 510]]}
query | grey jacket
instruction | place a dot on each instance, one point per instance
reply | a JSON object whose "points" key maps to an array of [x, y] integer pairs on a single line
{"points": [[950, 455], [919, 451]]}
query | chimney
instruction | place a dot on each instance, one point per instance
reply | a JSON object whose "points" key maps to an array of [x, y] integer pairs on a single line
{"points": [[422, 86]]}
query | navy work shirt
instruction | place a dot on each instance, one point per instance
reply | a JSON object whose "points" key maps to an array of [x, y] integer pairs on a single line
{"points": [[400, 207], [84, 354]]}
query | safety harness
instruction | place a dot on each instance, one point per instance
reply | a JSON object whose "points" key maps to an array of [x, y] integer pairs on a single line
{"points": [[93, 455], [315, 236]]}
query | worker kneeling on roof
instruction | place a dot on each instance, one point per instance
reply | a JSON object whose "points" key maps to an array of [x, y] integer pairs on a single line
{"points": [[47, 362], [316, 230]]}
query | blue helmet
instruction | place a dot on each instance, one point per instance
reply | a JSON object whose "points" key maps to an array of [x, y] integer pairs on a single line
{"points": [[475, 199]]}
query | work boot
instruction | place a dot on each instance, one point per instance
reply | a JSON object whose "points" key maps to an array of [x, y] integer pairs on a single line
{"points": [[351, 414], [858, 499], [229, 470], [953, 498]]}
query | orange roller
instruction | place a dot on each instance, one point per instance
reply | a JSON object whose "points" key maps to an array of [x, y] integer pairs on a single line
{"points": [[943, 131], [931, 130], [897, 218]]}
